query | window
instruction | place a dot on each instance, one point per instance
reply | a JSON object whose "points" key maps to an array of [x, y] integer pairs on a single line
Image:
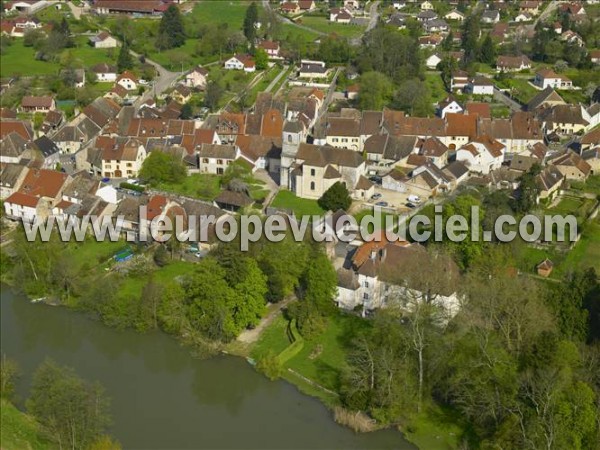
{"points": [[344, 139], [366, 284], [219, 161], [220, 171], [205, 160], [129, 165], [289, 138], [366, 296], [312, 172], [312, 185]]}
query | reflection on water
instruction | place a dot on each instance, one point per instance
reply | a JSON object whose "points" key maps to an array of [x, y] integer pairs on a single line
{"points": [[163, 398]]}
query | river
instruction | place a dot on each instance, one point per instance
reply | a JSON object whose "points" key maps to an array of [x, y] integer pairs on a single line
{"points": [[161, 397]]}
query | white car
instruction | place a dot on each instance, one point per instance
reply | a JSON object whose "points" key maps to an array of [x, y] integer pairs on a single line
{"points": [[414, 199], [143, 82]]}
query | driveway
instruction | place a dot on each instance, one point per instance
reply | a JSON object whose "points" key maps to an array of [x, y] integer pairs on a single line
{"points": [[161, 83], [374, 17]]}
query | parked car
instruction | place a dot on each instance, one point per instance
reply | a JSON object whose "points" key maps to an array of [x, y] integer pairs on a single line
{"points": [[414, 199], [105, 180], [376, 179], [411, 205], [382, 204], [376, 196]]}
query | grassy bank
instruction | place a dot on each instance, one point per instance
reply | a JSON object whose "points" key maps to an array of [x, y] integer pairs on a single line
{"points": [[20, 431]]}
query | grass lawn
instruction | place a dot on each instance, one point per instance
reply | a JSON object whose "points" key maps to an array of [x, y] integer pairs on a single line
{"points": [[84, 55], [592, 185], [274, 339], [436, 86], [197, 185], [323, 357], [434, 429], [301, 206], [290, 32], [20, 60], [528, 258], [586, 253], [322, 24], [20, 431], [132, 286], [92, 252], [230, 12], [174, 58], [521, 89]]}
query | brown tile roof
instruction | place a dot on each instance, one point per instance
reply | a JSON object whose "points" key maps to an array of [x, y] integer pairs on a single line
{"points": [[483, 110], [15, 126], [127, 151], [591, 138], [272, 124], [572, 159], [30, 101], [43, 183], [321, 156], [18, 198], [461, 125]]}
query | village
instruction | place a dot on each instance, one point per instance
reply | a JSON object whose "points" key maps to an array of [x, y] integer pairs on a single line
{"points": [[321, 110], [297, 141]]}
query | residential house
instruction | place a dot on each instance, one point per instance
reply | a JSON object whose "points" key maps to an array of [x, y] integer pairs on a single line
{"points": [[196, 78], [134, 7], [530, 7], [307, 5], [241, 62], [11, 178], [549, 181], [33, 104], [513, 63], [181, 94], [272, 48], [14, 148], [490, 16], [436, 26], [592, 157], [215, 158], [39, 192], [49, 151], [459, 80], [105, 72], [449, 106], [590, 140], [290, 8], [563, 119], [482, 155], [103, 40], [548, 78], [426, 6], [524, 17], [572, 37], [432, 61], [433, 150], [430, 42], [455, 15], [340, 15], [317, 168], [595, 56], [127, 80], [372, 282], [312, 69], [547, 97], [572, 166], [123, 160], [52, 120], [427, 15], [480, 86]]}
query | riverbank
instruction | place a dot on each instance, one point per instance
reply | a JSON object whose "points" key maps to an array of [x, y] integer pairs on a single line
{"points": [[219, 402]]}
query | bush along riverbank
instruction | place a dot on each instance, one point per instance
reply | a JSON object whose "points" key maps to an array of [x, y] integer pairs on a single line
{"points": [[468, 381]]}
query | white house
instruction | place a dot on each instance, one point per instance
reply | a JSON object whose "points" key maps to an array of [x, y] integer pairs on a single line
{"points": [[449, 106], [433, 61], [128, 81], [513, 63], [524, 17], [103, 40], [105, 72], [548, 78], [196, 78], [490, 16], [426, 6], [271, 47], [215, 158], [480, 86], [455, 15], [123, 160], [482, 155], [312, 69], [340, 15], [241, 62]]}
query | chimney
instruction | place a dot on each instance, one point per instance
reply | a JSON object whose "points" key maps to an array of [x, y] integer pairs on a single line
{"points": [[373, 255]]}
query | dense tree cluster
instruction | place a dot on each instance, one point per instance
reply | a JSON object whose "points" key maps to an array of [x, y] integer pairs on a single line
{"points": [[161, 167], [171, 31]]}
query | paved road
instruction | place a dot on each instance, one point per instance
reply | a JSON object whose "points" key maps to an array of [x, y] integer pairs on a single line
{"points": [[277, 78], [374, 17], [547, 12], [162, 82]]}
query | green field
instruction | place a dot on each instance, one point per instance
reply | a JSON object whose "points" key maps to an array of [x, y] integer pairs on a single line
{"points": [[586, 253], [84, 55], [19, 431], [226, 11], [20, 60], [322, 24], [301, 206], [291, 32], [521, 89], [197, 185], [436, 86]]}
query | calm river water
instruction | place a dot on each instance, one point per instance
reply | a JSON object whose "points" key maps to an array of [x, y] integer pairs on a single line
{"points": [[163, 398]]}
